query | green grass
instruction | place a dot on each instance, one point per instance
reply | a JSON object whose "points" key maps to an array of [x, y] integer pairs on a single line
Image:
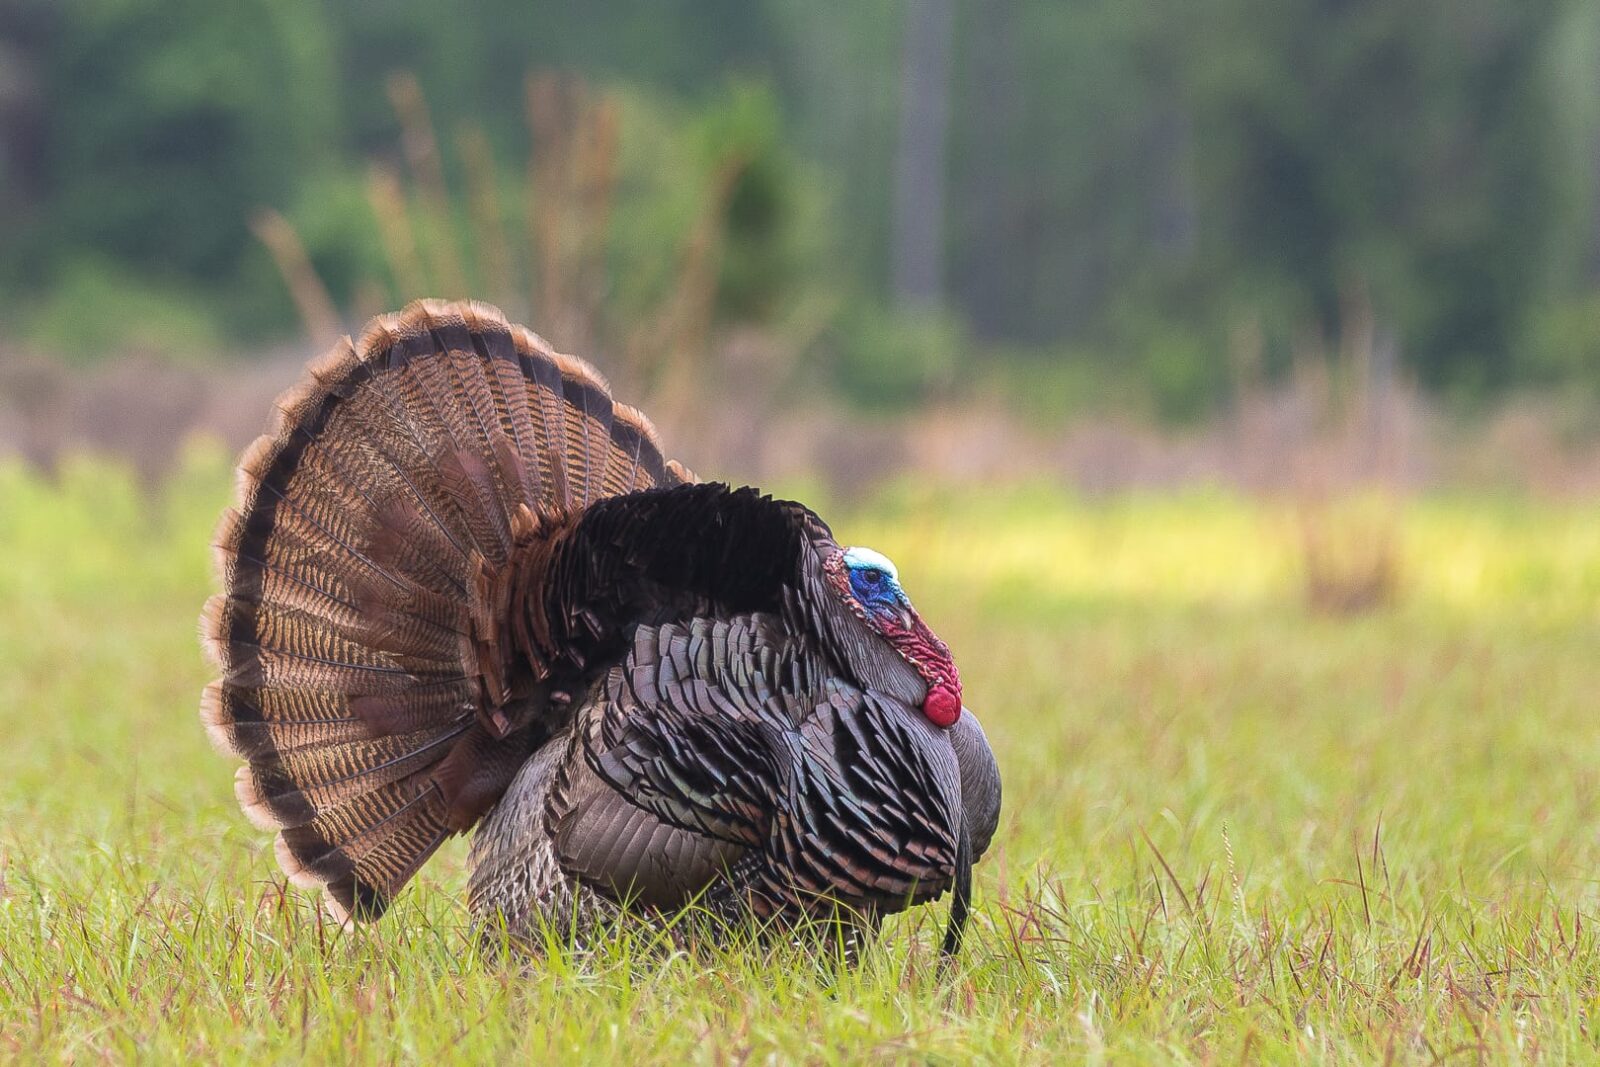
{"points": [[1233, 829]]}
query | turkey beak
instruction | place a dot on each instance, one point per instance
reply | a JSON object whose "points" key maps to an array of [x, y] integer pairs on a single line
{"points": [[908, 616]]}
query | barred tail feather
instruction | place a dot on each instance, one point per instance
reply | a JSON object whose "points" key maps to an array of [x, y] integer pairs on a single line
{"points": [[392, 477]]}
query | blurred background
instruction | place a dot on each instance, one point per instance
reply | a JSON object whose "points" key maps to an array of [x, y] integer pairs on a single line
{"points": [[1224, 375], [1270, 245]]}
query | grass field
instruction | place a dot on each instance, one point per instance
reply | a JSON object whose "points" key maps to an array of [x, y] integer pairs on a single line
{"points": [[1234, 830]]}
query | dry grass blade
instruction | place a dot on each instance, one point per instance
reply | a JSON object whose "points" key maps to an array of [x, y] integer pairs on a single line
{"points": [[488, 225], [563, 284], [421, 148], [663, 352], [549, 188], [311, 299], [388, 202]]}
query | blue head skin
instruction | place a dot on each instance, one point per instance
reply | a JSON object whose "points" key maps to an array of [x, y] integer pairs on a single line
{"points": [[870, 582], [875, 584]]}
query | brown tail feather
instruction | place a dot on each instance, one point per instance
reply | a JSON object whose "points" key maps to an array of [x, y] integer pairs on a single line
{"points": [[349, 634]]}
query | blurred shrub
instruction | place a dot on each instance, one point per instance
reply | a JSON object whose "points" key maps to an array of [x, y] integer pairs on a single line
{"points": [[163, 126], [170, 122], [1110, 165], [1186, 375], [333, 217], [886, 359], [633, 226], [1051, 386], [762, 243], [773, 230], [99, 306], [1563, 344], [1174, 380]]}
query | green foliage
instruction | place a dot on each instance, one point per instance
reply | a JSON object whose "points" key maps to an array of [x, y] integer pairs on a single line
{"points": [[161, 128], [99, 306], [888, 359], [472, 61], [671, 157], [1204, 164], [169, 124], [1050, 387], [1396, 146], [1564, 344], [1127, 179], [333, 216], [1185, 382], [1233, 831], [763, 244], [670, 154]]}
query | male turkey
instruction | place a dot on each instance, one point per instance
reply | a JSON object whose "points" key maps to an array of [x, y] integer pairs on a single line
{"points": [[463, 586]]}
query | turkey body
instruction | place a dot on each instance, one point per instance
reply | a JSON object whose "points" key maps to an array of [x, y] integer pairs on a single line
{"points": [[463, 587]]}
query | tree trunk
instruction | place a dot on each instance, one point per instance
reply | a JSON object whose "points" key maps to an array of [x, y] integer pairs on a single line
{"points": [[990, 201], [917, 251]]}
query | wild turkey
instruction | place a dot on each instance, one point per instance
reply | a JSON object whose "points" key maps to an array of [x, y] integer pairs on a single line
{"points": [[463, 586]]}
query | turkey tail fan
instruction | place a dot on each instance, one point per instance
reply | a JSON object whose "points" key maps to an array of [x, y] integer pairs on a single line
{"points": [[363, 678]]}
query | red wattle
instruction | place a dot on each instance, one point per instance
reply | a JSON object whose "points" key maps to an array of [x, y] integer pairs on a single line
{"points": [[942, 706]]}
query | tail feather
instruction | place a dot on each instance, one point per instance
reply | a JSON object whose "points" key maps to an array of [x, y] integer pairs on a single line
{"points": [[402, 449], [368, 468], [397, 473], [470, 484], [516, 416], [334, 776], [238, 725], [549, 395], [411, 622], [589, 429]]}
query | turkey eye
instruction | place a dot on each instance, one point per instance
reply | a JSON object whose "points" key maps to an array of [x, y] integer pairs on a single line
{"points": [[873, 577]]}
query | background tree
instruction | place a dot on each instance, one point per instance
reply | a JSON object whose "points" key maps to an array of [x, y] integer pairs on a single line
{"points": [[1123, 185]]}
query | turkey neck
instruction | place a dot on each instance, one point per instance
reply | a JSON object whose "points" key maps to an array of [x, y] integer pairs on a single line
{"points": [[860, 654]]}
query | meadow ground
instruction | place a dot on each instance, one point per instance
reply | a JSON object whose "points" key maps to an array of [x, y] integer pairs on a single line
{"points": [[1234, 830]]}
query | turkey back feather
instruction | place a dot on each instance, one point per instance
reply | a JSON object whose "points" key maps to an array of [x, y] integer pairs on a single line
{"points": [[367, 631]]}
